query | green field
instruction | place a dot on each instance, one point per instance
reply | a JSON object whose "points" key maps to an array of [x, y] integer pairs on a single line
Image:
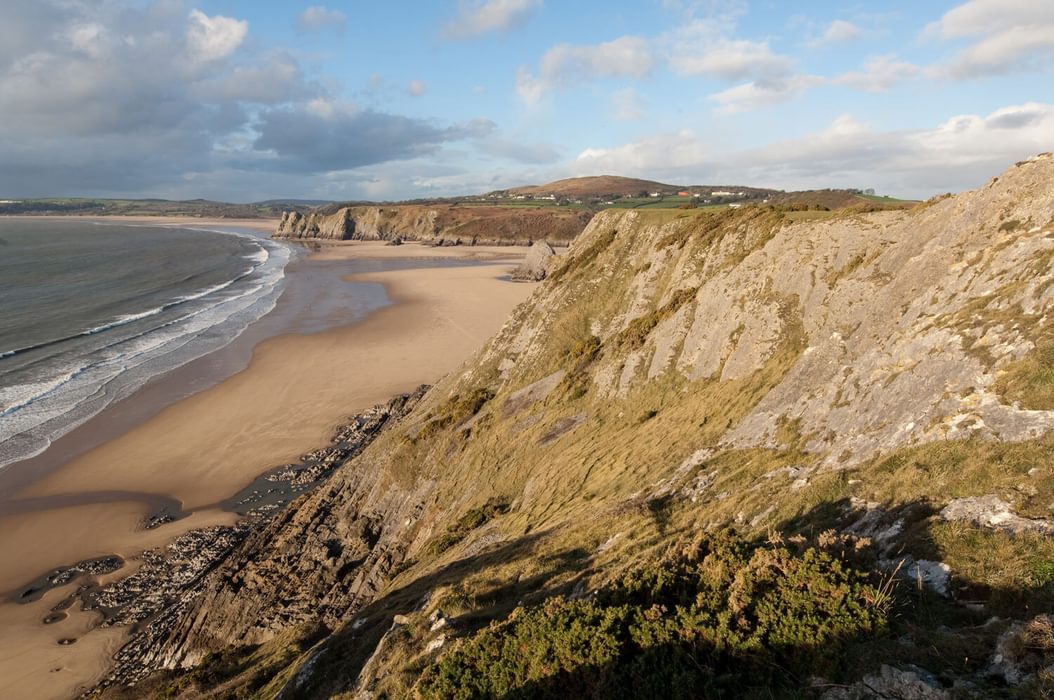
{"points": [[892, 201]]}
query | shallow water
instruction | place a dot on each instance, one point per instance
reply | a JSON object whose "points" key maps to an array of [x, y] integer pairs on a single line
{"points": [[90, 311]]}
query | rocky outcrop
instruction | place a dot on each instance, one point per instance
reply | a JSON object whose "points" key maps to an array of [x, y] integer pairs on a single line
{"points": [[339, 226], [994, 513], [464, 225], [895, 326], [341, 554], [536, 265]]}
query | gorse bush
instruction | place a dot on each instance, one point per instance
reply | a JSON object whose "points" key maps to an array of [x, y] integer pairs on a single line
{"points": [[725, 618]]}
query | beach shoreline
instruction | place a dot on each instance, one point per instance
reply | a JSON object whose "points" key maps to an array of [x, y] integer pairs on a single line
{"points": [[295, 390]]}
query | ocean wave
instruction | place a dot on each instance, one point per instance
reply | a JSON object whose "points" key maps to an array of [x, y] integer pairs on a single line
{"points": [[54, 399], [126, 319], [149, 339], [16, 397], [259, 257]]}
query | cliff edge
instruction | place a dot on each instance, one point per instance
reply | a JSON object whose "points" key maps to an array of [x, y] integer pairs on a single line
{"points": [[721, 443]]}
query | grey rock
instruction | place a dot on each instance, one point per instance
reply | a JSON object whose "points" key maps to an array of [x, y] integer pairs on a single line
{"points": [[993, 513], [535, 266], [892, 684]]}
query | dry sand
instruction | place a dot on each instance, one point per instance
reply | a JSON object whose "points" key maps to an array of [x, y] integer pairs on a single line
{"points": [[296, 390]]}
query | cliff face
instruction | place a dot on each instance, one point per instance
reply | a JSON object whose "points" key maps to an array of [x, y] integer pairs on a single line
{"points": [[683, 372], [452, 224]]}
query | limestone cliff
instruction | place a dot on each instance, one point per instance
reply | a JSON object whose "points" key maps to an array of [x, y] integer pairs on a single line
{"points": [[686, 372], [451, 224]]}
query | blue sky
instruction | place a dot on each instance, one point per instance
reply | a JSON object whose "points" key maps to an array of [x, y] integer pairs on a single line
{"points": [[240, 100]]}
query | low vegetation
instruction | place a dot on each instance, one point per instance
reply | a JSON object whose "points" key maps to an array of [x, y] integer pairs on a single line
{"points": [[473, 519], [725, 618]]}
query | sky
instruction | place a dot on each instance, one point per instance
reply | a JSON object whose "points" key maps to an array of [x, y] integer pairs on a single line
{"points": [[246, 100]]}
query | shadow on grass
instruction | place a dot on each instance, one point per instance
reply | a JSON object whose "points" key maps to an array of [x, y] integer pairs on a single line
{"points": [[720, 651], [347, 651]]}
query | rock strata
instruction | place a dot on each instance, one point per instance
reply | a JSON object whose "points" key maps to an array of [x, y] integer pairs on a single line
{"points": [[439, 224], [170, 578]]}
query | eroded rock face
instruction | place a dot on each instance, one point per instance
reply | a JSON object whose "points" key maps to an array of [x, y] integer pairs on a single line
{"points": [[895, 324], [453, 225], [339, 226], [536, 265]]}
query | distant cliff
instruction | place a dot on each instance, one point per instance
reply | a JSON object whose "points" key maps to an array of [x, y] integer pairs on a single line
{"points": [[441, 223]]}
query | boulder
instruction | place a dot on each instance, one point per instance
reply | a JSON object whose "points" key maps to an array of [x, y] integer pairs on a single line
{"points": [[536, 265]]}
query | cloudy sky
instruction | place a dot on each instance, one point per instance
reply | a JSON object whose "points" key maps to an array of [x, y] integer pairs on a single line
{"points": [[245, 100]]}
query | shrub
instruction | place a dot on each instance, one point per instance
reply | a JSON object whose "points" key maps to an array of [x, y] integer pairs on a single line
{"points": [[722, 619]]}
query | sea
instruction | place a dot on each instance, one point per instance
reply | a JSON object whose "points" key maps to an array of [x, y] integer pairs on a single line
{"points": [[91, 311]]}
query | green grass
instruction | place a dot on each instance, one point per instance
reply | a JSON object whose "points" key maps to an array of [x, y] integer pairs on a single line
{"points": [[883, 199], [471, 520]]}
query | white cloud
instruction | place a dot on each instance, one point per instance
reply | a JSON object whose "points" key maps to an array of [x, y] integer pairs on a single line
{"points": [[659, 155], [839, 31], [211, 38], [879, 74], [763, 93], [700, 48], [123, 98], [319, 17], [416, 88], [988, 16], [483, 17], [565, 66], [628, 105], [1009, 36], [962, 152]]}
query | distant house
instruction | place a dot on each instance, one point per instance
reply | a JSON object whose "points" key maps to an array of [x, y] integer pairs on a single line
{"points": [[684, 194], [734, 206], [721, 193], [655, 194]]}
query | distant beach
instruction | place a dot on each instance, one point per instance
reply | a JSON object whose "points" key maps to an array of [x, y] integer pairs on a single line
{"points": [[199, 433]]}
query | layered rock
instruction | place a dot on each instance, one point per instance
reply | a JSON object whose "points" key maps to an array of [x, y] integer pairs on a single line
{"points": [[435, 224]]}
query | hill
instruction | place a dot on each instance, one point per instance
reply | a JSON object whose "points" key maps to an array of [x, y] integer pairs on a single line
{"points": [[597, 186], [718, 453], [606, 186]]}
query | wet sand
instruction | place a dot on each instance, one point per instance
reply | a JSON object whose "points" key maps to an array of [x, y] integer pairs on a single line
{"points": [[90, 493]]}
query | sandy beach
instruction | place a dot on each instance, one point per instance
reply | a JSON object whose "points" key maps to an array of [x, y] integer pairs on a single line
{"points": [[201, 449]]}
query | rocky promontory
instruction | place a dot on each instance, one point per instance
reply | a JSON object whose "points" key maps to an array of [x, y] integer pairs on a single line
{"points": [[438, 224]]}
